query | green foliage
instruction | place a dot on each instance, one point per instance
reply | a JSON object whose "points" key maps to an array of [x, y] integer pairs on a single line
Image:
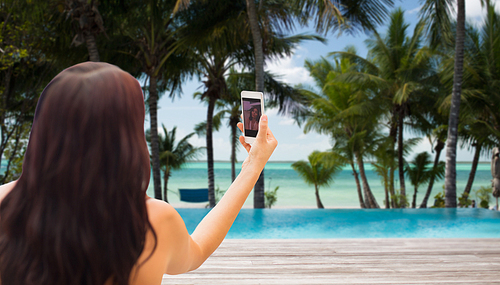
{"points": [[421, 171], [331, 15], [400, 200], [464, 201], [439, 200], [271, 197], [173, 154], [318, 170], [483, 194]]}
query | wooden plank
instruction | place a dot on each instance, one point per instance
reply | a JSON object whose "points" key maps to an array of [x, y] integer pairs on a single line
{"points": [[349, 261]]}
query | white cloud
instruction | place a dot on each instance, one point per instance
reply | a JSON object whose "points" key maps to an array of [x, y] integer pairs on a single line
{"points": [[474, 13], [290, 70], [473, 8]]}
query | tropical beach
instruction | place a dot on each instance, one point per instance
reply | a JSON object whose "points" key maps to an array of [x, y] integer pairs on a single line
{"points": [[381, 133], [293, 192]]}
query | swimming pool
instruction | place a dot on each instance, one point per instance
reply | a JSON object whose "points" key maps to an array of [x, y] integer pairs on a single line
{"points": [[356, 223]]}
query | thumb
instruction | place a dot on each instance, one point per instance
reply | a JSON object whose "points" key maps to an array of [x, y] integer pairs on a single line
{"points": [[263, 125]]}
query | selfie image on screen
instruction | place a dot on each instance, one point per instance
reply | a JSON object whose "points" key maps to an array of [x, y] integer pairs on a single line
{"points": [[251, 113]]}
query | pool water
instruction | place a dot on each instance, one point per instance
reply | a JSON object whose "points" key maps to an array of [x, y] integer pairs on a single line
{"points": [[356, 223]]}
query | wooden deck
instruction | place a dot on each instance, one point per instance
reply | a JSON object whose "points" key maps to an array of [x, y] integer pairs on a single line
{"points": [[349, 261]]}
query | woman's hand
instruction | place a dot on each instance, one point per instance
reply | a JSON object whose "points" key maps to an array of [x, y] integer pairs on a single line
{"points": [[263, 146]]}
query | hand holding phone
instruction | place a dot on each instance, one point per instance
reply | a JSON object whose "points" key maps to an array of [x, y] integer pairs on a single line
{"points": [[253, 107], [263, 146]]}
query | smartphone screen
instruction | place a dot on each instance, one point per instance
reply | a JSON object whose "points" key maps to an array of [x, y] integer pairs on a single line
{"points": [[251, 112]]}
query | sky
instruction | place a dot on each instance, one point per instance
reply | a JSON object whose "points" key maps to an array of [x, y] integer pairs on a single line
{"points": [[293, 144]]}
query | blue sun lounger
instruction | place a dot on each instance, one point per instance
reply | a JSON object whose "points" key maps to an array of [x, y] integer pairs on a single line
{"points": [[194, 195]]}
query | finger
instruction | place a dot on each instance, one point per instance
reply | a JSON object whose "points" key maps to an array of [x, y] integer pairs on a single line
{"points": [[263, 127], [240, 126], [245, 144]]}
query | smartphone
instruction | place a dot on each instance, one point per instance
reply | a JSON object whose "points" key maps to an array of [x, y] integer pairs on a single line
{"points": [[252, 108]]}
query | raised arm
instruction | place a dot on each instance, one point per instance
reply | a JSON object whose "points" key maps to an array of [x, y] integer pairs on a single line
{"points": [[213, 228]]}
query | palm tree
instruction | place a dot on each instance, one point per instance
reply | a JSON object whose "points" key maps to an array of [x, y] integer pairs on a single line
{"points": [[400, 70], [226, 108], [220, 43], [439, 134], [87, 22], [420, 173], [361, 15], [232, 111], [154, 37], [384, 165], [479, 91], [173, 154], [317, 171], [260, 22], [224, 42], [451, 143], [347, 113], [437, 17], [386, 162]]}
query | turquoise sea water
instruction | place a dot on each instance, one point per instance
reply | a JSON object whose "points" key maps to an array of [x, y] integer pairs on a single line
{"points": [[294, 192], [357, 223]]}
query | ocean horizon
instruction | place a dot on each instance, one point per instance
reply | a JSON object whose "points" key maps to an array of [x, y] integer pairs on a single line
{"points": [[293, 192]]}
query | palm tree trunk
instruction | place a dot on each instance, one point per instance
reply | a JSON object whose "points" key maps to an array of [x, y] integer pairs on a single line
{"points": [[210, 152], [369, 198], [439, 147], [165, 183], [386, 189], [234, 140], [394, 203], [450, 181], [414, 200], [155, 147], [92, 47], [358, 186], [257, 45], [258, 198], [393, 132], [258, 193], [318, 200], [473, 170], [400, 157]]}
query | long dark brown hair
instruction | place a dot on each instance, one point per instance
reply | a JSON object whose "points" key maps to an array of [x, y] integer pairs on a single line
{"points": [[77, 214]]}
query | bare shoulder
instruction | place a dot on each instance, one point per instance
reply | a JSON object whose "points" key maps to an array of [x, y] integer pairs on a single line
{"points": [[165, 220], [160, 211], [6, 188]]}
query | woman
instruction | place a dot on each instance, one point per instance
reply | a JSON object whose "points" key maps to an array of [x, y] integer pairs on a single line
{"points": [[253, 119], [79, 213]]}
